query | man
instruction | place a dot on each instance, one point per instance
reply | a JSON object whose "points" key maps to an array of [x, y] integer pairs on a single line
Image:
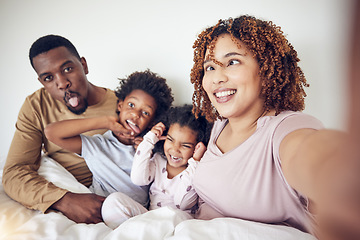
{"points": [[67, 94]]}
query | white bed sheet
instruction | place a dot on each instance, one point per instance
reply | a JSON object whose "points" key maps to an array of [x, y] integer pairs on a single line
{"points": [[17, 222]]}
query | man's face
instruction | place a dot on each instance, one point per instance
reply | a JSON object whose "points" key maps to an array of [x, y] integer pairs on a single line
{"points": [[64, 76]]}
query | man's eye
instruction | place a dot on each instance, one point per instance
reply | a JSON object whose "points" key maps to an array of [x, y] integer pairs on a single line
{"points": [[68, 69], [47, 78]]}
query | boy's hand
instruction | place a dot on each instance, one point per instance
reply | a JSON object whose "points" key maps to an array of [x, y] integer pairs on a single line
{"points": [[199, 151], [158, 130]]}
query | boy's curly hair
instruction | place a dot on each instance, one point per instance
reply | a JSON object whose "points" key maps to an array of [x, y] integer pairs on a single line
{"points": [[152, 84], [283, 80], [184, 116]]}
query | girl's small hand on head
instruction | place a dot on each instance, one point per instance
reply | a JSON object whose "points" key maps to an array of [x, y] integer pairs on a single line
{"points": [[158, 130], [199, 151]]}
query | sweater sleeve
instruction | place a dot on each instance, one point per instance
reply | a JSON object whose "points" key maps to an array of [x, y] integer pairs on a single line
{"points": [[143, 168], [21, 180]]}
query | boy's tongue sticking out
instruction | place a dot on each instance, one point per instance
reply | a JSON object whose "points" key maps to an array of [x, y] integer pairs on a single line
{"points": [[133, 126]]}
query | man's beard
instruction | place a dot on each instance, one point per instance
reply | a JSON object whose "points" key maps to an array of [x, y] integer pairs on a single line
{"points": [[79, 111]]}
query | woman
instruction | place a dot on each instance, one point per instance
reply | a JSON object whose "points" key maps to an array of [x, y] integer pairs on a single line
{"points": [[266, 160]]}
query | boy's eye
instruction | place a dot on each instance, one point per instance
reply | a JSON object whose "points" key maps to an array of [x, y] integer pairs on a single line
{"points": [[146, 113], [130, 104]]}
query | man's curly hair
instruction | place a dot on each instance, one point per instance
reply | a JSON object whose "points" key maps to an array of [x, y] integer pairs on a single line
{"points": [[152, 84], [283, 80]]}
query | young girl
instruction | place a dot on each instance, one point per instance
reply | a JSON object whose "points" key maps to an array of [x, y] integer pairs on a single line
{"points": [[170, 170]]}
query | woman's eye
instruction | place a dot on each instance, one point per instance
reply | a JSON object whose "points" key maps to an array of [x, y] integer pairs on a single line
{"points": [[233, 62], [209, 68]]}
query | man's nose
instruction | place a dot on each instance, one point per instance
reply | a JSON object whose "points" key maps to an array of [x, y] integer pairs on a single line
{"points": [[62, 82]]}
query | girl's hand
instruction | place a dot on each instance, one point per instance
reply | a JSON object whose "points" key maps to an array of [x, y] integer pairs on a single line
{"points": [[137, 141], [199, 151], [158, 130]]}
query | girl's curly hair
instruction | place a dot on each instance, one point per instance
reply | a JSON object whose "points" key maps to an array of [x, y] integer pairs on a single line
{"points": [[283, 80], [152, 84], [183, 116]]}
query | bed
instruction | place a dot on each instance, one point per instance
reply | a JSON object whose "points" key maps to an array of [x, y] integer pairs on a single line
{"points": [[17, 222]]}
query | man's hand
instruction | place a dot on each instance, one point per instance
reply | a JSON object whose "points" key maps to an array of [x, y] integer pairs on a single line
{"points": [[118, 129], [81, 208]]}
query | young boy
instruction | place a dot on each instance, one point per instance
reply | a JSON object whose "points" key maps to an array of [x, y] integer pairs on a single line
{"points": [[142, 98]]}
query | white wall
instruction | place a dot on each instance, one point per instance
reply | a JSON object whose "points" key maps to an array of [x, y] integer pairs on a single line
{"points": [[119, 37]]}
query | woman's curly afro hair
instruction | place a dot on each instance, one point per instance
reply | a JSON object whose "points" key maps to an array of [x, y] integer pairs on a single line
{"points": [[283, 80]]}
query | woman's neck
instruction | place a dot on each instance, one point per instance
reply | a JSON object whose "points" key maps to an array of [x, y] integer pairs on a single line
{"points": [[238, 130]]}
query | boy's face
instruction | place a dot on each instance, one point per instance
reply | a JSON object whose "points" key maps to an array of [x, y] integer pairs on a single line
{"points": [[137, 111]]}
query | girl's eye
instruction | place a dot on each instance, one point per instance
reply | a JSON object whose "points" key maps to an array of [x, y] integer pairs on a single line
{"points": [[233, 62], [169, 138], [186, 146], [130, 104]]}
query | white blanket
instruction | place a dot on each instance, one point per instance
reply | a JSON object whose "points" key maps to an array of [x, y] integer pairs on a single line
{"points": [[17, 222]]}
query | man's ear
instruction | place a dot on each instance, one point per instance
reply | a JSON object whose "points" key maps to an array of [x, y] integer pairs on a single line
{"points": [[84, 65]]}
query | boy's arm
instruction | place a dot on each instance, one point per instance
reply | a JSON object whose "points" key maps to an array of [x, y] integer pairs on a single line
{"points": [[66, 134]]}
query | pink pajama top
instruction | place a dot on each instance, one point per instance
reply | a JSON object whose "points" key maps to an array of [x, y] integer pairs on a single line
{"points": [[247, 182], [147, 168]]}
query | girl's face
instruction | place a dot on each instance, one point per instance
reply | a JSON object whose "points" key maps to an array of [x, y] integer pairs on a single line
{"points": [[233, 86], [179, 145]]}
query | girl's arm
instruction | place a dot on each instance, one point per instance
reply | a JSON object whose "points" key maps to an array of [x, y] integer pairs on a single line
{"points": [[185, 196], [143, 169], [66, 134]]}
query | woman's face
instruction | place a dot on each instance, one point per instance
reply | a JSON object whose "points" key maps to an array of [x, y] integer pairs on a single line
{"points": [[234, 85]]}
